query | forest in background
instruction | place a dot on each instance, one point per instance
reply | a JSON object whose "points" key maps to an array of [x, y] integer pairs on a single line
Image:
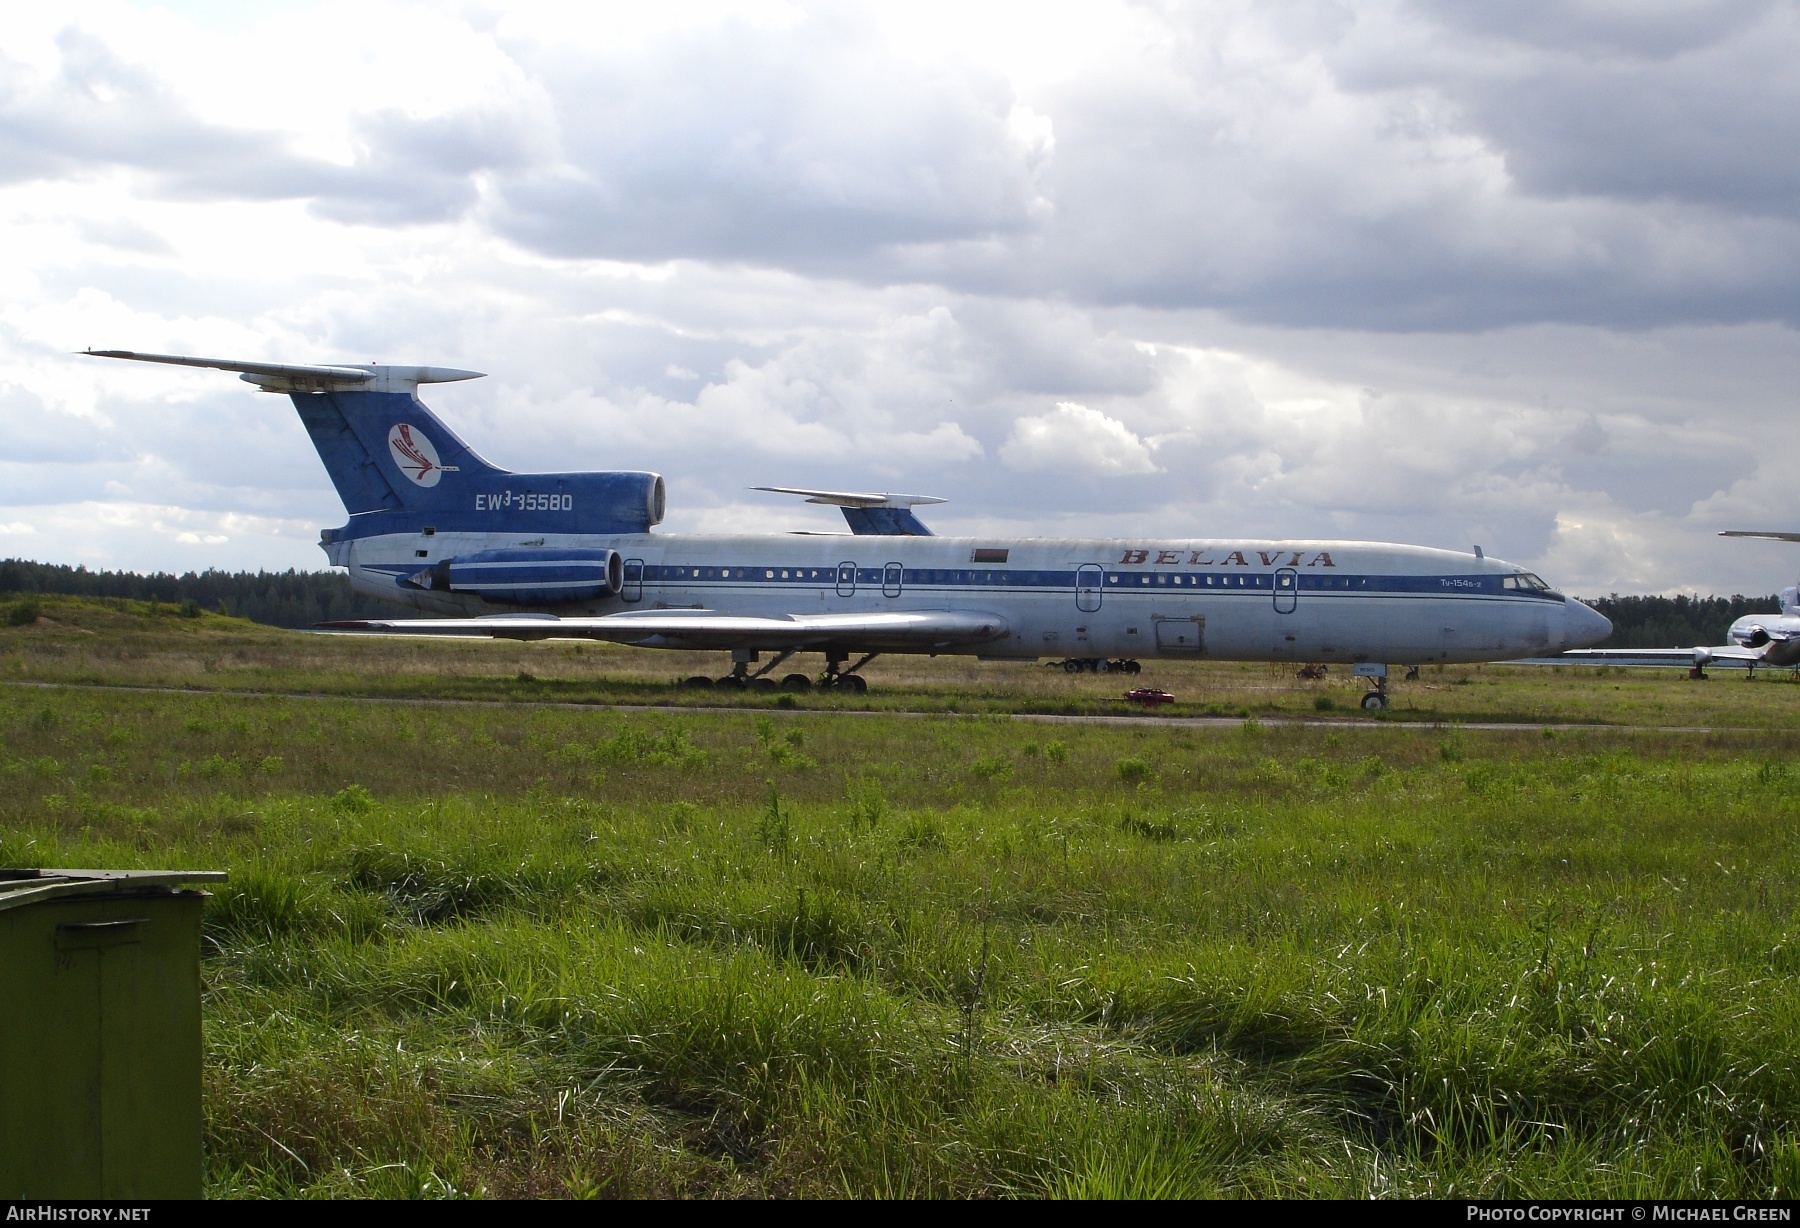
{"points": [[302, 598], [274, 598]]}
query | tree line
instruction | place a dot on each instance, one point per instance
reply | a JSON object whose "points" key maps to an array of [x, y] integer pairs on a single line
{"points": [[277, 598], [1675, 622], [301, 598]]}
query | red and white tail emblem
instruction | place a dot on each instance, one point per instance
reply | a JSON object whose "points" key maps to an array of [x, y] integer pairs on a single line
{"points": [[413, 452]]}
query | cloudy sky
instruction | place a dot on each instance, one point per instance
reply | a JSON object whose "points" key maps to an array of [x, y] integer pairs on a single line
{"points": [[1522, 274]]}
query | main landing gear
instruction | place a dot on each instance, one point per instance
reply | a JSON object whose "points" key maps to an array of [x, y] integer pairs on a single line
{"points": [[845, 679], [1096, 665], [741, 679]]}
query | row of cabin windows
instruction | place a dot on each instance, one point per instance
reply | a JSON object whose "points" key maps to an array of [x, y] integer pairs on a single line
{"points": [[874, 576]]}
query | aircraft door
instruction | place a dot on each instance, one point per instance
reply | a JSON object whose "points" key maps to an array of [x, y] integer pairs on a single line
{"points": [[1287, 590], [1088, 580], [633, 587], [846, 580], [890, 580]]}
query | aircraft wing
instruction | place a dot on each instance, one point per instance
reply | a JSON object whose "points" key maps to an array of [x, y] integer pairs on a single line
{"points": [[1669, 656], [911, 631]]}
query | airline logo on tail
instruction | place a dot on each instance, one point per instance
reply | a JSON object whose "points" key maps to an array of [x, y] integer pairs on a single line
{"points": [[413, 452]]}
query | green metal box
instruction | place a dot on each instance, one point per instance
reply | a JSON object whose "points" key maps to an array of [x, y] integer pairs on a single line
{"points": [[100, 1033]]}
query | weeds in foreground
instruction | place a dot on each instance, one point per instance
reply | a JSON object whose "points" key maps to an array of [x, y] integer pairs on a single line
{"points": [[456, 957]]}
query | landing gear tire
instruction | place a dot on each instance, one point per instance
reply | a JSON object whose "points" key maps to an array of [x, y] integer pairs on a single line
{"points": [[856, 684], [796, 682], [1071, 666], [698, 682], [1374, 701], [733, 681], [762, 684], [1130, 667]]}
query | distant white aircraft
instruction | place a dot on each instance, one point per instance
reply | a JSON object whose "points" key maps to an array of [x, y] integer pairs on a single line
{"points": [[534, 556], [1756, 639]]}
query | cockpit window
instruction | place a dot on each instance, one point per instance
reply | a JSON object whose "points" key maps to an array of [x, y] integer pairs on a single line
{"points": [[1526, 580]]}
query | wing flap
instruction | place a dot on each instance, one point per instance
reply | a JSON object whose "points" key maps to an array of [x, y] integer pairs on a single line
{"points": [[704, 629]]}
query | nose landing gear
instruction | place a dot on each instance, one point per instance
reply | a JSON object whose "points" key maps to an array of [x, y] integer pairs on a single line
{"points": [[1377, 674]]}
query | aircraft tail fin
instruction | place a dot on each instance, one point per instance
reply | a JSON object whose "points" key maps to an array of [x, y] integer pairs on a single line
{"points": [[356, 414], [386, 452], [354, 432]]}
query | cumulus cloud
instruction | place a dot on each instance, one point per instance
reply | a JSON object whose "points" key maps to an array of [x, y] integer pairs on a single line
{"points": [[1074, 437]]}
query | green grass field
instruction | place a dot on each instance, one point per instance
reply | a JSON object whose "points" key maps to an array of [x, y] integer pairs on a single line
{"points": [[137, 644], [517, 950]]}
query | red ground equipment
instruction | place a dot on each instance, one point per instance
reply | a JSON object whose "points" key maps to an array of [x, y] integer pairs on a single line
{"points": [[1149, 696]]}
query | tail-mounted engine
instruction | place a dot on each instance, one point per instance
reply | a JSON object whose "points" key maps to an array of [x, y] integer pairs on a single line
{"points": [[527, 577]]}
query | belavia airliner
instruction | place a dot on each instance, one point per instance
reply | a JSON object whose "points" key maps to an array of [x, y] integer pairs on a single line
{"points": [[534, 556]]}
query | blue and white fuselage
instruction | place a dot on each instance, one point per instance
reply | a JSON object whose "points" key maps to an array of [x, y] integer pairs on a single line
{"points": [[485, 551], [1231, 599]]}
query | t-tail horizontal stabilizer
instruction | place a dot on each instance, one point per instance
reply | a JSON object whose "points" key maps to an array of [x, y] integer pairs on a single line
{"points": [[289, 377], [876, 515]]}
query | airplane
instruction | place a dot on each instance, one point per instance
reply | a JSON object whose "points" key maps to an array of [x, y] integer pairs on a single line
{"points": [[533, 556], [1755, 639]]}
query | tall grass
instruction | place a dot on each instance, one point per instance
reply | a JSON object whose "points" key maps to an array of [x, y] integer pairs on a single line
{"points": [[564, 953]]}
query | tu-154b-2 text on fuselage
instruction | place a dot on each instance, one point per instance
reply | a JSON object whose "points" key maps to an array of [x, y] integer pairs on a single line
{"points": [[538, 555]]}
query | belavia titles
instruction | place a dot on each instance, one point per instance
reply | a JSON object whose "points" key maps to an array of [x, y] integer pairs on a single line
{"points": [[573, 555]]}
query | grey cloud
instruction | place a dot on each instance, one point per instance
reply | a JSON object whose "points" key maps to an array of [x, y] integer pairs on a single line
{"points": [[31, 433], [124, 235], [99, 111], [1601, 27], [801, 147], [1420, 167], [1642, 102]]}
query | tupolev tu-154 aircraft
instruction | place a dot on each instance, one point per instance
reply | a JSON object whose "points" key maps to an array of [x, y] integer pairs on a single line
{"points": [[572, 555]]}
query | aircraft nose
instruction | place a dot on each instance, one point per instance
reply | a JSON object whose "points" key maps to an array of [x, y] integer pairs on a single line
{"points": [[1583, 626]]}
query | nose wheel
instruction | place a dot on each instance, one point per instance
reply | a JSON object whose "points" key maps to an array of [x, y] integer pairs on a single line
{"points": [[1377, 674]]}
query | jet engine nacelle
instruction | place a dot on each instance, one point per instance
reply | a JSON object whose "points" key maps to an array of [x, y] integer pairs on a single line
{"points": [[528, 577]]}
